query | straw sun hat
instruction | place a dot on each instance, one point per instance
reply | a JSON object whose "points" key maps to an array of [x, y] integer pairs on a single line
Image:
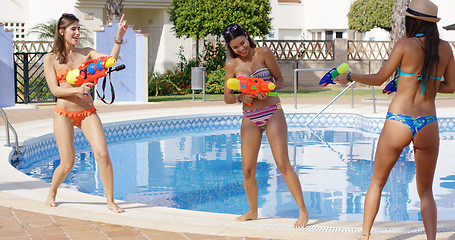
{"points": [[423, 10]]}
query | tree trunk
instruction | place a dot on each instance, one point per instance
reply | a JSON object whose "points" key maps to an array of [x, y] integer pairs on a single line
{"points": [[398, 26], [197, 50], [113, 10]]}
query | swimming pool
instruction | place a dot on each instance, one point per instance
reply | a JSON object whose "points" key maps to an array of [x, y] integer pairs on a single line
{"points": [[194, 163]]}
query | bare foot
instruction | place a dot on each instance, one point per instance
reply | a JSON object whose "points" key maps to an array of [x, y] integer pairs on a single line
{"points": [[247, 216], [114, 207], [364, 237], [302, 221], [50, 201]]}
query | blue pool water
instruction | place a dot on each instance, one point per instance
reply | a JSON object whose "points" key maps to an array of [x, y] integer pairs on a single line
{"points": [[194, 163]]}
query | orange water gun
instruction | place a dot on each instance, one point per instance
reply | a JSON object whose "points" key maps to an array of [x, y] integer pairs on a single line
{"points": [[91, 71], [251, 86]]}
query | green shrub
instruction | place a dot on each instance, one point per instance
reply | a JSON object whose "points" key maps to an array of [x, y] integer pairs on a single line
{"points": [[172, 82], [178, 81], [214, 56], [185, 65], [215, 81], [214, 60]]}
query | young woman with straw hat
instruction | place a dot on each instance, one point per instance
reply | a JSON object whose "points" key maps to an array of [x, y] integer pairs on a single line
{"points": [[420, 59]]}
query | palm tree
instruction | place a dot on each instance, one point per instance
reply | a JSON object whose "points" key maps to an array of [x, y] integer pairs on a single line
{"points": [[114, 10], [46, 31], [398, 27]]}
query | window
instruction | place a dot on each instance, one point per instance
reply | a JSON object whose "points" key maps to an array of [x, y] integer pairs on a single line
{"points": [[339, 34], [329, 35], [316, 35]]}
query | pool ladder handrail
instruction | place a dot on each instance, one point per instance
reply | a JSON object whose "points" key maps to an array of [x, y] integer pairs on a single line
{"points": [[350, 85], [330, 103], [8, 126]]}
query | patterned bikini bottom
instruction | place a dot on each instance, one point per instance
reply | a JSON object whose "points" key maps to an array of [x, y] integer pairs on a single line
{"points": [[415, 124], [262, 116]]}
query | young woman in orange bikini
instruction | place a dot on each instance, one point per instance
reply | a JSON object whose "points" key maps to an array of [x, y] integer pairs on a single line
{"points": [[423, 59], [75, 106], [261, 113]]}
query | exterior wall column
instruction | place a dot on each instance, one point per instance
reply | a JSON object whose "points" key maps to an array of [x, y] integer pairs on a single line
{"points": [[7, 92], [341, 50], [130, 84]]}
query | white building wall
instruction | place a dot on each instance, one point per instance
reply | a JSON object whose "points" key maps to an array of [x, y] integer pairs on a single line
{"points": [[326, 15], [90, 18], [445, 12], [16, 11], [167, 55], [44, 10], [287, 21], [33, 12]]}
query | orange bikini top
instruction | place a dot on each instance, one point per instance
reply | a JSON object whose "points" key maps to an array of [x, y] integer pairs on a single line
{"points": [[61, 75]]}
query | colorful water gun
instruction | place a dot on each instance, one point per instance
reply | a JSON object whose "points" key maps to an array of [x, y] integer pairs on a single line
{"points": [[333, 73], [91, 71], [252, 86], [391, 86]]}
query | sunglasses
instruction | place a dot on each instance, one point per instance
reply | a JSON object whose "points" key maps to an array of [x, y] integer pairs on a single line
{"points": [[232, 30], [68, 15]]}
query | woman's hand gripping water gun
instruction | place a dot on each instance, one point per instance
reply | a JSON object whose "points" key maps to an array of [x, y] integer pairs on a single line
{"points": [[391, 86], [333, 73], [90, 71], [251, 86]]}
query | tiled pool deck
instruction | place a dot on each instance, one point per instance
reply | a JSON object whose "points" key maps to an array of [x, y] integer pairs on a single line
{"points": [[83, 216]]}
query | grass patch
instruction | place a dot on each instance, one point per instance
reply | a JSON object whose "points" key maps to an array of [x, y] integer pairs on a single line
{"points": [[361, 92], [185, 97]]}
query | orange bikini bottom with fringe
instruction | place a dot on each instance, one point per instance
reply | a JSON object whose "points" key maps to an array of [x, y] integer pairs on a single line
{"points": [[75, 116]]}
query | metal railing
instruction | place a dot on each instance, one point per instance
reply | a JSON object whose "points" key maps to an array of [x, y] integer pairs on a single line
{"points": [[29, 78], [330, 103], [8, 126]]}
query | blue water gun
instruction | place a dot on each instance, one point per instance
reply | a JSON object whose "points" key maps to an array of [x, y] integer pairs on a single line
{"points": [[391, 86], [333, 73]]}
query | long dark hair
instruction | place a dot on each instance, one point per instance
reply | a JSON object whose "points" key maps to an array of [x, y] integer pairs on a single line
{"points": [[231, 32], [416, 26], [59, 42]]}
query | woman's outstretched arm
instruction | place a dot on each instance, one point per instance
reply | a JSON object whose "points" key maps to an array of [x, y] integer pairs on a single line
{"points": [[118, 41], [377, 79]]}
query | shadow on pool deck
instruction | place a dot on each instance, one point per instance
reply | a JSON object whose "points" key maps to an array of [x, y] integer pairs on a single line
{"points": [[19, 220]]}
